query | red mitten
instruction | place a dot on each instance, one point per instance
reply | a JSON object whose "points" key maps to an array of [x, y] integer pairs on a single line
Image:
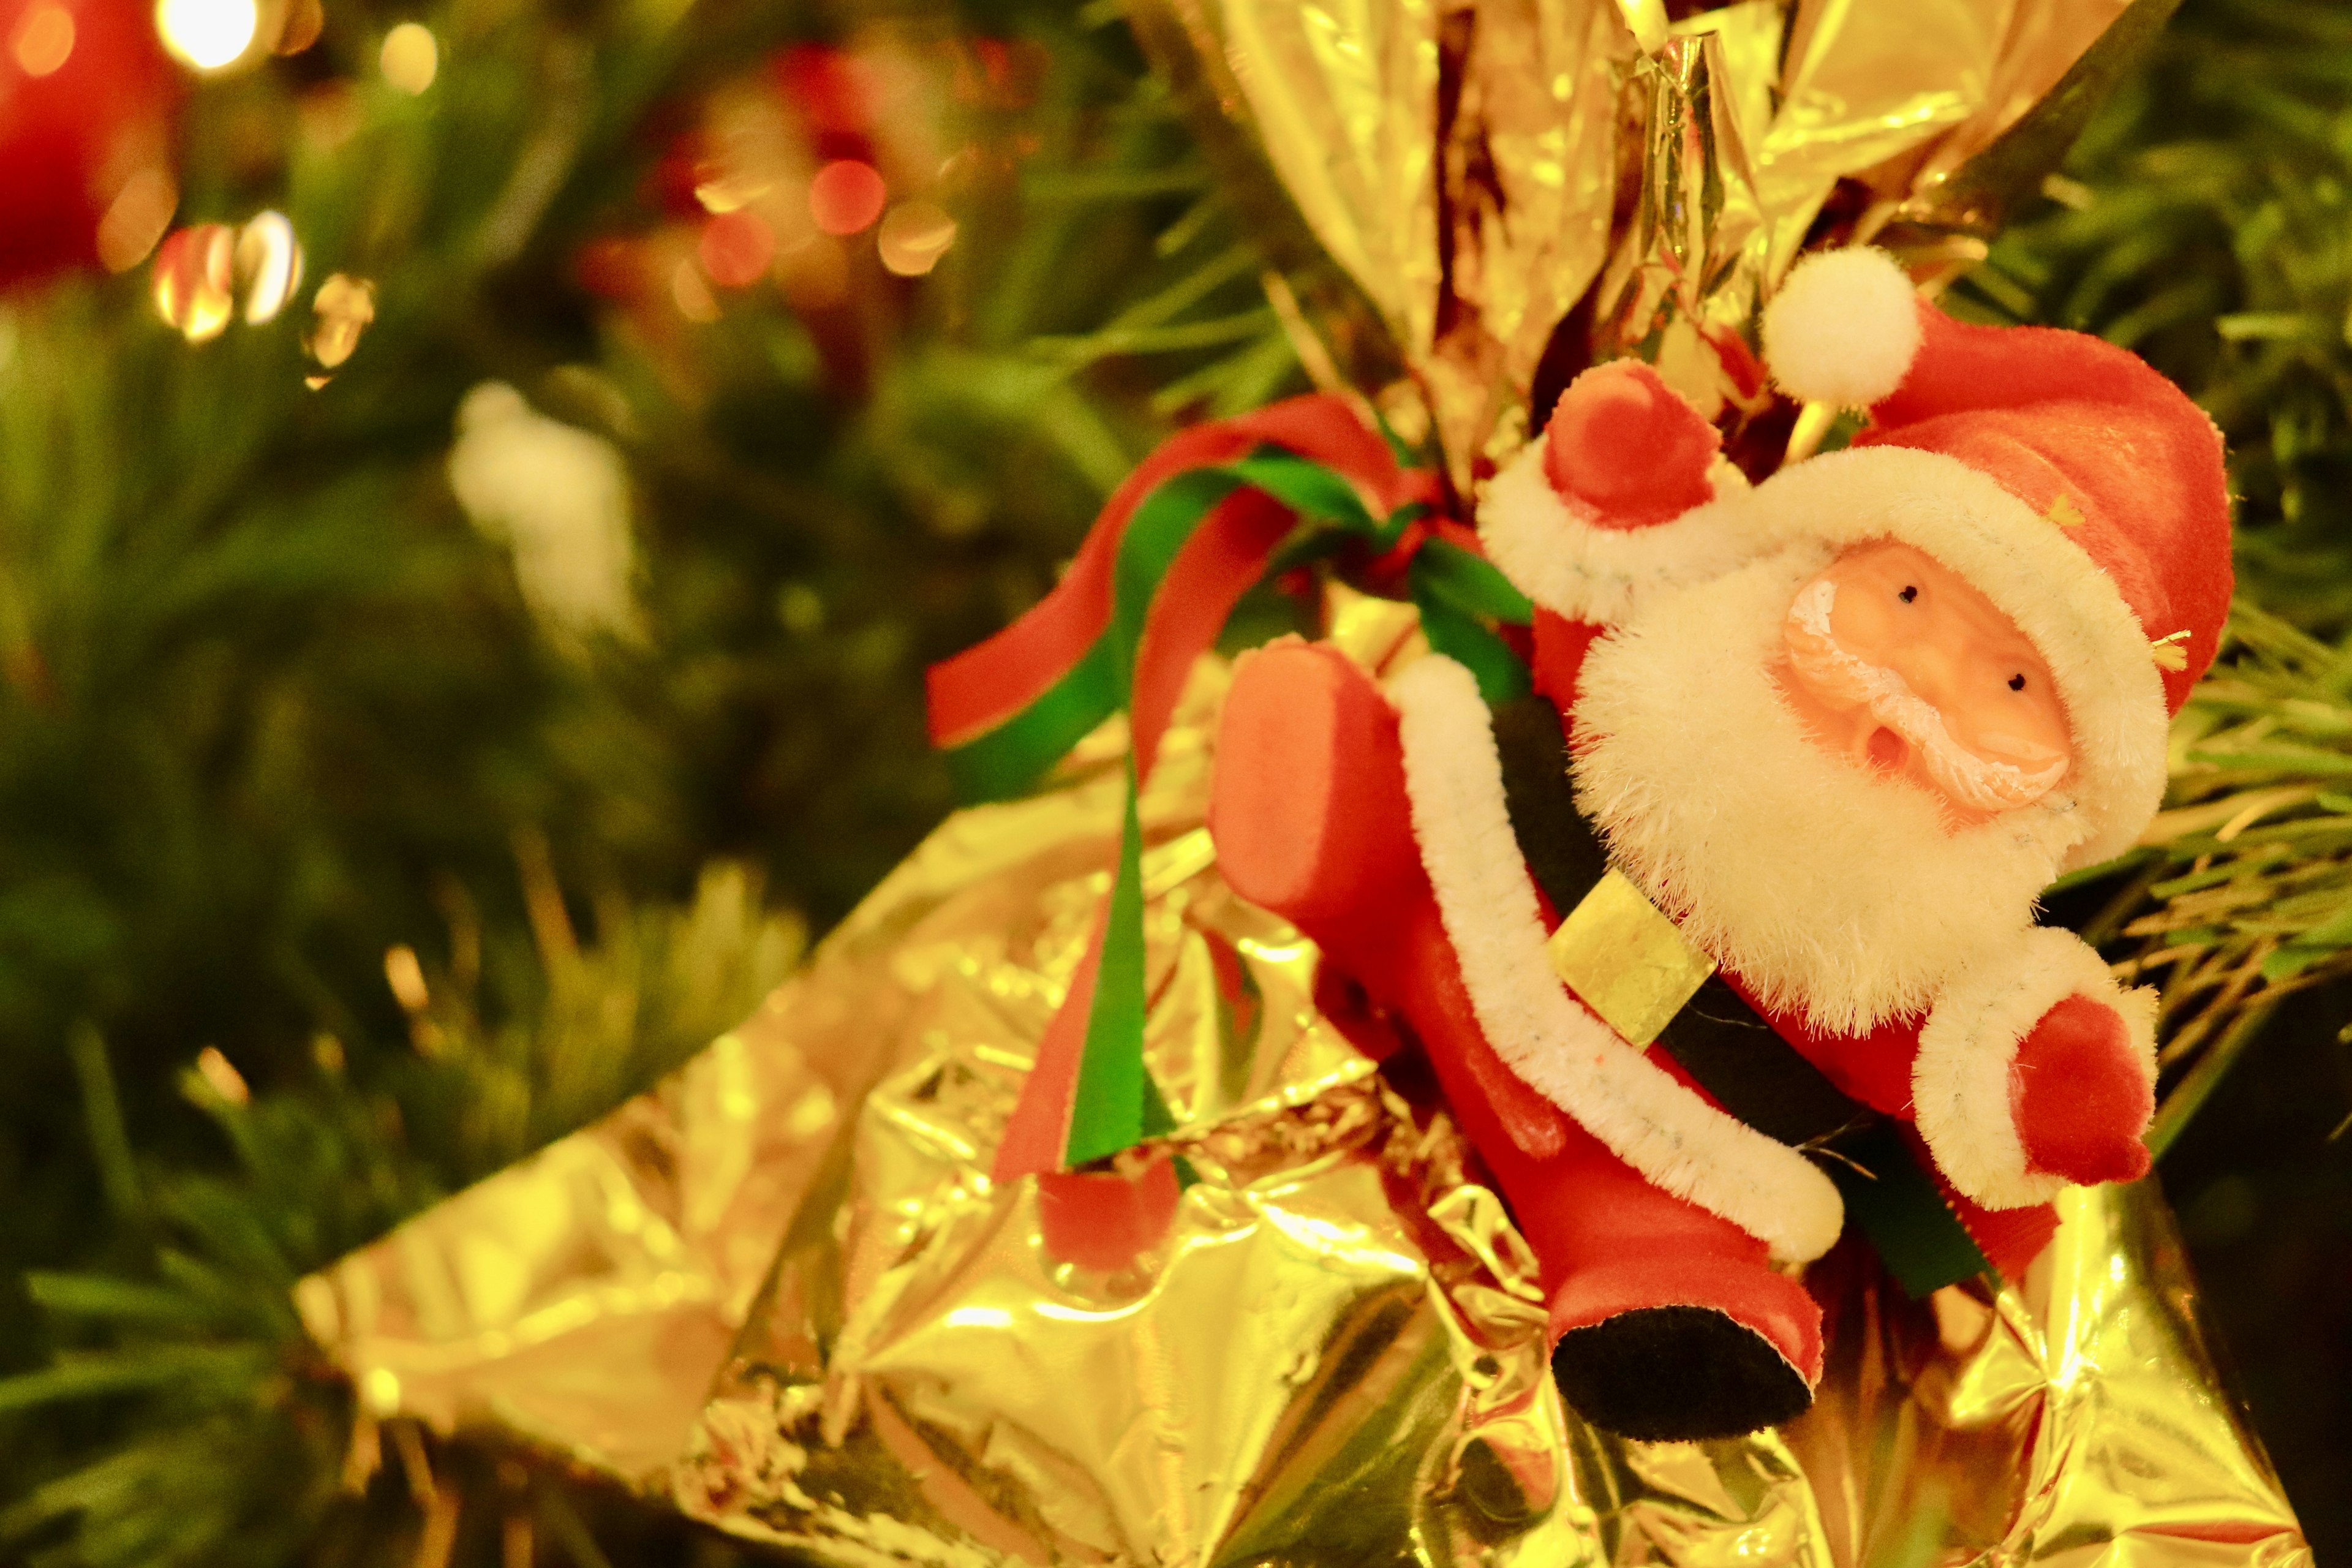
{"points": [[1626, 445], [2081, 1101]]}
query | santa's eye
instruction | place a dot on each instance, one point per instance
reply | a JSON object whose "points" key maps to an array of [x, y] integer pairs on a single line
{"points": [[2016, 683], [1909, 592]]}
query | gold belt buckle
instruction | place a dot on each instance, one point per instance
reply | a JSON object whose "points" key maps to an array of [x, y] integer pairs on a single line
{"points": [[1627, 961]]}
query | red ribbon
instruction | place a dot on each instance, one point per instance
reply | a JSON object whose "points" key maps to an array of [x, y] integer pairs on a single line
{"points": [[983, 686]]}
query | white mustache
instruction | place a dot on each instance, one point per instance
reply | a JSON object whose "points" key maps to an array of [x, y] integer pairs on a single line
{"points": [[1965, 776]]}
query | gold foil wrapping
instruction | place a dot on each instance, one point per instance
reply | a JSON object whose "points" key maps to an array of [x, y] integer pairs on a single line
{"points": [[782, 1291], [1490, 173]]}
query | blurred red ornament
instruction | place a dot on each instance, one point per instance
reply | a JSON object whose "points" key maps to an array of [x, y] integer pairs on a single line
{"points": [[834, 93], [736, 248], [86, 103], [846, 196]]}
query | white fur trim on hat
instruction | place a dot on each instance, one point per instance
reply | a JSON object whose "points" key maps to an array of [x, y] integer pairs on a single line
{"points": [[1454, 780], [2060, 598], [1563, 557], [1843, 328], [1960, 1080]]}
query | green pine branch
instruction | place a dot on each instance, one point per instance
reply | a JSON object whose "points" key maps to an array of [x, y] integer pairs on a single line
{"points": [[232, 1439]]}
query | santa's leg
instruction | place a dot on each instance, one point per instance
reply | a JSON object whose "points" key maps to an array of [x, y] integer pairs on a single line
{"points": [[1669, 1321]]}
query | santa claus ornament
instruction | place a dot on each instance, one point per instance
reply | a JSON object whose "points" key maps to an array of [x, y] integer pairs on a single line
{"points": [[1715, 915]]}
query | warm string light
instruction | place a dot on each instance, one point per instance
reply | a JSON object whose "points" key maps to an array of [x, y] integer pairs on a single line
{"points": [[142, 210], [201, 270], [195, 279], [344, 306], [410, 57], [914, 235], [766, 217], [208, 34], [43, 41], [269, 264], [305, 20], [846, 196], [736, 247]]}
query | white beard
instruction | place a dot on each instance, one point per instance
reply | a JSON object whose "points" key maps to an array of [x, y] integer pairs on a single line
{"points": [[1827, 890]]}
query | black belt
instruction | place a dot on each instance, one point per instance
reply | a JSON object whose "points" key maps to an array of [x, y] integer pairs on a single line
{"points": [[1728, 1049]]}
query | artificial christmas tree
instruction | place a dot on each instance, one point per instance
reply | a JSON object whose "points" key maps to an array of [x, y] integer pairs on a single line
{"points": [[281, 727]]}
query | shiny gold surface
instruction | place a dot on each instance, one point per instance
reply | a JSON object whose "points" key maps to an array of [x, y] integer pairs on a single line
{"points": [[1333, 1355], [1625, 960], [1479, 169], [579, 1300]]}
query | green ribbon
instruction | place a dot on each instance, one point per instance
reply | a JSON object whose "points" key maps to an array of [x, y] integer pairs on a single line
{"points": [[1461, 597]]}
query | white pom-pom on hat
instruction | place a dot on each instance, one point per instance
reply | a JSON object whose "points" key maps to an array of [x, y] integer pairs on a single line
{"points": [[1843, 328]]}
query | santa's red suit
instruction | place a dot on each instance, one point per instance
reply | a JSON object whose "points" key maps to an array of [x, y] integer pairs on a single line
{"points": [[2084, 497]]}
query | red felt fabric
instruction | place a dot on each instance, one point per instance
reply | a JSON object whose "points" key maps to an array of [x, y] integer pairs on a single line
{"points": [[2044, 411], [2010, 1239], [1304, 716], [1873, 1068], [1311, 820], [2081, 1100], [1560, 646], [1624, 444]]}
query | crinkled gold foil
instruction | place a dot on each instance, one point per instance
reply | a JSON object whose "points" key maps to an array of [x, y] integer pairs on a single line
{"points": [[1334, 1355], [578, 1301], [1473, 165]]}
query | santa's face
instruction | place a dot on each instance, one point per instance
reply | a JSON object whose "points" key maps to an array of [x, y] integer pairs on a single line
{"points": [[1831, 875], [1899, 664]]}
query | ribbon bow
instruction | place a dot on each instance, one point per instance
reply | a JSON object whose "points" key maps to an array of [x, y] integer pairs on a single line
{"points": [[1207, 516]]}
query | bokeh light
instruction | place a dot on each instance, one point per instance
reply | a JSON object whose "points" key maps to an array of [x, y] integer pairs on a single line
{"points": [[691, 295], [208, 34], [44, 39], [193, 279], [846, 196], [344, 306], [220, 1075], [136, 218], [269, 266], [305, 20], [410, 57], [914, 235], [736, 247]]}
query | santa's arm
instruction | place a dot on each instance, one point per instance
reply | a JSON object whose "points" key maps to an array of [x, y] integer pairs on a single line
{"points": [[2035, 1070], [1621, 494]]}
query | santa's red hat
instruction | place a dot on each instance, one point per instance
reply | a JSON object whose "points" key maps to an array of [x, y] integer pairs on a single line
{"points": [[2074, 486], [2082, 431], [2078, 489]]}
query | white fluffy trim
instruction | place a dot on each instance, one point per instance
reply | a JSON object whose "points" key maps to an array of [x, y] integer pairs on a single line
{"points": [[1827, 890], [1454, 780], [1564, 560], [1960, 1081], [1843, 328], [2060, 598]]}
